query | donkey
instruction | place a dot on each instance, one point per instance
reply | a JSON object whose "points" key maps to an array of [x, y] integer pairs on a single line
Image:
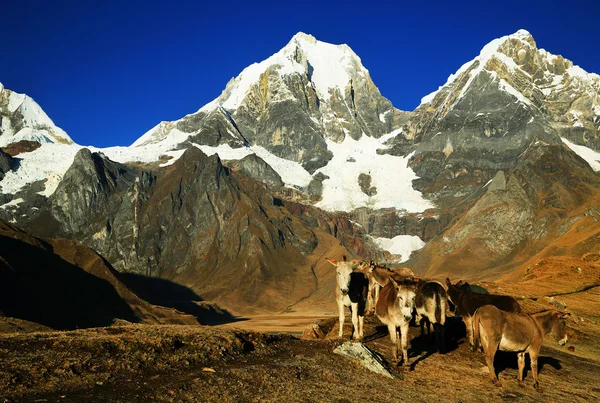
{"points": [[467, 302], [350, 291], [516, 332], [379, 276], [431, 303], [394, 309]]}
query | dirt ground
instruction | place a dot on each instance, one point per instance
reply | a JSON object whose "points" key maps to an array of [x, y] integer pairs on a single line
{"points": [[190, 363], [289, 324], [245, 361]]}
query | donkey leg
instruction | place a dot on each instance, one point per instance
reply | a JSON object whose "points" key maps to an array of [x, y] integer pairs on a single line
{"points": [[490, 352], [341, 309], [521, 357], [533, 355], [404, 336], [393, 337], [469, 326], [372, 300], [421, 321], [355, 328], [361, 321], [442, 329]]}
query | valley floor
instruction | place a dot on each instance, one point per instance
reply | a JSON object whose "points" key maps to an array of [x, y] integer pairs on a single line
{"points": [[189, 363], [288, 324]]}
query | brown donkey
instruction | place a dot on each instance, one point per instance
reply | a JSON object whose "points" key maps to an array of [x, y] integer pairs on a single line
{"points": [[394, 309], [467, 302], [350, 291], [516, 332], [379, 276]]}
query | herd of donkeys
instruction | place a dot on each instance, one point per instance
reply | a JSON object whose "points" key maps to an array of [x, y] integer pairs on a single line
{"points": [[493, 322]]}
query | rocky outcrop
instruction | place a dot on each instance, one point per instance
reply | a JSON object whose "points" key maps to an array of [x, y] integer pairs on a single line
{"points": [[6, 163], [490, 111], [256, 168]]}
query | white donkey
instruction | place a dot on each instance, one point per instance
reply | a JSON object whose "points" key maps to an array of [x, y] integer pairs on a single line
{"points": [[351, 290]]}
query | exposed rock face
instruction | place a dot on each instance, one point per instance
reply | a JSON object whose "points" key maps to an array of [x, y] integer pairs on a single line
{"points": [[256, 168], [388, 223], [364, 181], [548, 185], [196, 224], [6, 163], [22, 146]]}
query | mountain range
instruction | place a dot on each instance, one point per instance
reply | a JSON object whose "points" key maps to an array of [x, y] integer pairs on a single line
{"points": [[301, 157]]}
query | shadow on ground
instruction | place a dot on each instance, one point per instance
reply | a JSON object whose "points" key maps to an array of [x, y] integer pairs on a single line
{"points": [[169, 294]]}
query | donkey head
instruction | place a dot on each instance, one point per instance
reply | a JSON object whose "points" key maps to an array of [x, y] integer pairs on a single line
{"points": [[454, 290], [405, 298], [559, 328], [343, 272]]}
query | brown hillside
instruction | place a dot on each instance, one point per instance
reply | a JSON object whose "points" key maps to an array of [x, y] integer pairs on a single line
{"points": [[64, 285]]}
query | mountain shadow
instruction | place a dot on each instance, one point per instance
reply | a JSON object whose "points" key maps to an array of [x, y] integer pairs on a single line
{"points": [[39, 286], [169, 294]]}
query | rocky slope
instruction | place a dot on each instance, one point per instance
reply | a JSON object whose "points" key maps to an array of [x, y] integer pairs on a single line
{"points": [[521, 217]]}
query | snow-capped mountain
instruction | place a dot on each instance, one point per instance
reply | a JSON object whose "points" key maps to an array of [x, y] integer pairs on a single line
{"points": [[491, 148], [491, 110], [309, 111]]}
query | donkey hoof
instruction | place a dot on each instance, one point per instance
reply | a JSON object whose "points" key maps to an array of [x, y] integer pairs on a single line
{"points": [[521, 384], [538, 388], [497, 383]]}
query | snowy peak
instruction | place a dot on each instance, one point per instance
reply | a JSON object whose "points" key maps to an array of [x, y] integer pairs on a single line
{"points": [[23, 119], [289, 103], [329, 67], [519, 68]]}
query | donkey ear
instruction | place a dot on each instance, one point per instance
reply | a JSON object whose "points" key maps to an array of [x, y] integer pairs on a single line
{"points": [[356, 261], [448, 283], [332, 261], [394, 283], [460, 282]]}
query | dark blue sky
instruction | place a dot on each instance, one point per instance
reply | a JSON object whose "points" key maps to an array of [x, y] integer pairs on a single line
{"points": [[108, 71]]}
